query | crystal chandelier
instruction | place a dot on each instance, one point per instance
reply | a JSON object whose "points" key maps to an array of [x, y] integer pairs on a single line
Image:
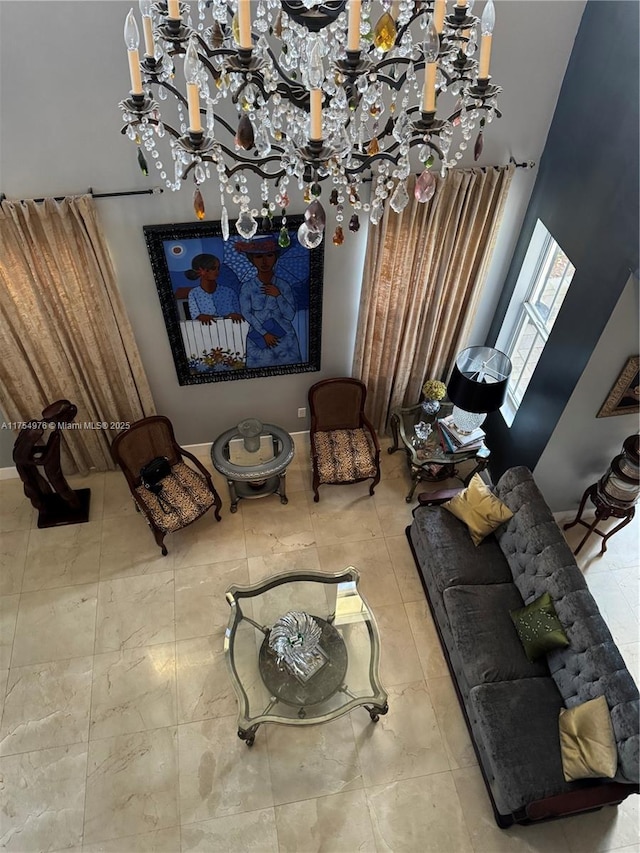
{"points": [[324, 91]]}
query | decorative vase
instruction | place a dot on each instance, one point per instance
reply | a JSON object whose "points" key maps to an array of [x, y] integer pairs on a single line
{"points": [[431, 407]]}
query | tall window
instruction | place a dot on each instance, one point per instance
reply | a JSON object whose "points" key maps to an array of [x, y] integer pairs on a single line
{"points": [[542, 285]]}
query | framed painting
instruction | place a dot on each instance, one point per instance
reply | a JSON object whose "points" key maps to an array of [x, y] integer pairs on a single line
{"points": [[237, 308], [624, 397]]}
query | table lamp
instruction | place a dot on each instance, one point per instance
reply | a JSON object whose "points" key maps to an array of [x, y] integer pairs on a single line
{"points": [[478, 385]]}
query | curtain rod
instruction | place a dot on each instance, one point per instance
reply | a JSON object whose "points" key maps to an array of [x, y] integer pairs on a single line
{"points": [[527, 164], [152, 191]]}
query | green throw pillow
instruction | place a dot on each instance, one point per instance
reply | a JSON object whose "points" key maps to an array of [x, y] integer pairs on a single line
{"points": [[538, 627]]}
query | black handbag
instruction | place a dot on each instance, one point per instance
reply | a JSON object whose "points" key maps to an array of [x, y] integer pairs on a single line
{"points": [[153, 473]]}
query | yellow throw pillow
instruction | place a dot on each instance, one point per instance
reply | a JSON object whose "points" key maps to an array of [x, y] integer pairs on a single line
{"points": [[479, 509], [587, 742]]}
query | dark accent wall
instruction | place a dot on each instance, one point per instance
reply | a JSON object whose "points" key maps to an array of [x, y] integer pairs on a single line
{"points": [[586, 194]]}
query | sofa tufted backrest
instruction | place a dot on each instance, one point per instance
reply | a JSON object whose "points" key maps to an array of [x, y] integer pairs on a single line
{"points": [[541, 561]]}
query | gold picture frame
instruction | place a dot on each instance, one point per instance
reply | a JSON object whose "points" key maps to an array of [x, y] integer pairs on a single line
{"points": [[624, 397]]}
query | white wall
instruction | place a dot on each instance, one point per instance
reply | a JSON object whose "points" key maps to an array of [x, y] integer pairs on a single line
{"points": [[582, 446], [63, 70]]}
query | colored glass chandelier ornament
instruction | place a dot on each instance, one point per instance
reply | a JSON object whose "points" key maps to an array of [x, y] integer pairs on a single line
{"points": [[198, 203]]}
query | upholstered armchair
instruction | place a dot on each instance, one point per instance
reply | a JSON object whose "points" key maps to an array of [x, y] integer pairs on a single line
{"points": [[344, 445], [186, 493]]}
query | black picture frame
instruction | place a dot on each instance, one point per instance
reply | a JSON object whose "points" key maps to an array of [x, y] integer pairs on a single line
{"points": [[223, 348]]}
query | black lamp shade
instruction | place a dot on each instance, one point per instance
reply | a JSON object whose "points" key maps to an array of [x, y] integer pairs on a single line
{"points": [[479, 379]]}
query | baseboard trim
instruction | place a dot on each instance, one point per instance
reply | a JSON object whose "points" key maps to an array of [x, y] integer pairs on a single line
{"points": [[10, 473]]}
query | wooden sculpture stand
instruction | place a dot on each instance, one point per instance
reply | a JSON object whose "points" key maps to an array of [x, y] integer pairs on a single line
{"points": [[57, 503]]}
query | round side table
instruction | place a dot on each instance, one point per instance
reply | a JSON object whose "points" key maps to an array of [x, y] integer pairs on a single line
{"points": [[253, 473]]}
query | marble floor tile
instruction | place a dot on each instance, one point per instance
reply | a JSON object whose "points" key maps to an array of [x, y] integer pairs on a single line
{"points": [[135, 611], [132, 785], [615, 607], [204, 685], [201, 607], [451, 721], [359, 523], [628, 580], [158, 841], [118, 499], [394, 514], [312, 761], [94, 481], [63, 556], [16, 512], [208, 541], [404, 743], [219, 774], [306, 560], [377, 582], [278, 528], [4, 675], [426, 639], [43, 799], [8, 617], [46, 705], [399, 661], [334, 824], [608, 829], [128, 548], [486, 835], [404, 568], [12, 559], [422, 814], [250, 832], [133, 690], [54, 624]]}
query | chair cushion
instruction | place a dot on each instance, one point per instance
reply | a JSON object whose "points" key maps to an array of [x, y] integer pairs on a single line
{"points": [[344, 455], [185, 494]]}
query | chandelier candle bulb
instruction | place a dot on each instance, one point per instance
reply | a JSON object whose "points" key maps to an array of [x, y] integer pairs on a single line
{"points": [[429, 88], [395, 8], [316, 114], [193, 99], [487, 24], [353, 35], [132, 40], [438, 15], [174, 10], [244, 22]]}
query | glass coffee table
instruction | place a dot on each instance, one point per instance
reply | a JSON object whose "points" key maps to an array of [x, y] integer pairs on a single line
{"points": [[426, 459], [345, 673]]}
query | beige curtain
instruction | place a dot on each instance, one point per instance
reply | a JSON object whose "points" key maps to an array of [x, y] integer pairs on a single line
{"points": [[65, 331], [423, 274]]}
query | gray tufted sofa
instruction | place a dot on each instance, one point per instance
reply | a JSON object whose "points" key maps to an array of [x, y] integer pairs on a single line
{"points": [[511, 705]]}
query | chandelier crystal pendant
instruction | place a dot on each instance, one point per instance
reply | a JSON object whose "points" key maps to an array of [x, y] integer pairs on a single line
{"points": [[285, 95]]}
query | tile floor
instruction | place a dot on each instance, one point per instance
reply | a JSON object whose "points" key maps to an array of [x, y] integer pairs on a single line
{"points": [[119, 728]]}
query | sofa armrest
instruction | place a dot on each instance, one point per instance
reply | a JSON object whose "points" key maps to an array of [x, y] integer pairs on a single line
{"points": [[438, 497]]}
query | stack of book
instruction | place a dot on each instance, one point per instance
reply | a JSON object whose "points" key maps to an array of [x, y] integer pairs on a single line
{"points": [[453, 441]]}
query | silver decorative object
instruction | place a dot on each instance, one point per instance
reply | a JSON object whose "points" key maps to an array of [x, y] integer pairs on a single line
{"points": [[423, 430], [250, 430], [295, 639]]}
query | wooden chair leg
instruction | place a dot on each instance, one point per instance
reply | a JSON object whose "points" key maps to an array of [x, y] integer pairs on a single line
{"points": [[158, 535]]}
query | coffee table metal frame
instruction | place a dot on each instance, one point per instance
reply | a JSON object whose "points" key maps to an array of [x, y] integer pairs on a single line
{"points": [[375, 702]]}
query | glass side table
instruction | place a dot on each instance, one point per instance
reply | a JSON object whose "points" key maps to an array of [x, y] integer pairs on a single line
{"points": [[254, 458], [426, 459], [347, 676]]}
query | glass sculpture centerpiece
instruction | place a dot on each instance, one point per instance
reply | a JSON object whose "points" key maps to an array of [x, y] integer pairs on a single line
{"points": [[295, 639]]}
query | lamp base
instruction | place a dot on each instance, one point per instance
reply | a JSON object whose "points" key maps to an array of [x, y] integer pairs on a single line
{"points": [[467, 422]]}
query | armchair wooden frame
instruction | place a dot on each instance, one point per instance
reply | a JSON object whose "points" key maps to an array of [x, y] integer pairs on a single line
{"points": [[143, 441], [338, 404]]}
